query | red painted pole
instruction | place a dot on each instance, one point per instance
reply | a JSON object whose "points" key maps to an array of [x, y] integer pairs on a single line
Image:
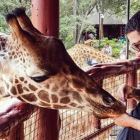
{"points": [[97, 122], [45, 17]]}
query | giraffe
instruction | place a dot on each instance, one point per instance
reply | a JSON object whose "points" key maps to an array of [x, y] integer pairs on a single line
{"points": [[83, 128], [38, 70], [80, 52]]}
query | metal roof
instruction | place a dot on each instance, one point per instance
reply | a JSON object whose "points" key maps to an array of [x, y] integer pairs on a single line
{"points": [[108, 19]]}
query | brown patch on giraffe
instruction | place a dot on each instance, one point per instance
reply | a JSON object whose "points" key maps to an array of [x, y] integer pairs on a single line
{"points": [[65, 92], [65, 100], [15, 57], [25, 82], [80, 106], [32, 87], [77, 97], [19, 87], [63, 82], [73, 104], [13, 90], [43, 95], [21, 78], [13, 53], [59, 107], [20, 99], [44, 104], [77, 83], [91, 90], [16, 81], [54, 98], [23, 60], [47, 86], [54, 88], [30, 97], [26, 89]]}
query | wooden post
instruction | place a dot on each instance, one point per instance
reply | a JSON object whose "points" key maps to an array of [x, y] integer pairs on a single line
{"points": [[132, 82], [121, 30], [17, 134], [45, 17], [96, 121]]}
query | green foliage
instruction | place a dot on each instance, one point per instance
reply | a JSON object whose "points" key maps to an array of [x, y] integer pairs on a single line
{"points": [[69, 41], [73, 20], [67, 26], [6, 6]]}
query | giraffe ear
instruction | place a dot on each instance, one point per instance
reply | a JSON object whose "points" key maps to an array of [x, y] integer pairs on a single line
{"points": [[24, 20], [16, 30], [11, 20]]}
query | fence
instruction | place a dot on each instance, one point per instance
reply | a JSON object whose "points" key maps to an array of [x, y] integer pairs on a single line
{"points": [[20, 121]]}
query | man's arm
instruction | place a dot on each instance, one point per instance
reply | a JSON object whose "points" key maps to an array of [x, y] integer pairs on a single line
{"points": [[125, 120]]}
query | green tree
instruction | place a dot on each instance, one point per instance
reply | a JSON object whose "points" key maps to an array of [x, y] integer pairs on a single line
{"points": [[6, 6], [73, 20]]}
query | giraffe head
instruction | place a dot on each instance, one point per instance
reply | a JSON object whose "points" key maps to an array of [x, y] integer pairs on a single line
{"points": [[38, 70]]}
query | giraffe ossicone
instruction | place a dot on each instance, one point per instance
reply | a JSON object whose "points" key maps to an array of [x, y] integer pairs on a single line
{"points": [[38, 70]]}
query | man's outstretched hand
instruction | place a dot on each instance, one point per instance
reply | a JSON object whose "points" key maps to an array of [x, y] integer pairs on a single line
{"points": [[125, 120]]}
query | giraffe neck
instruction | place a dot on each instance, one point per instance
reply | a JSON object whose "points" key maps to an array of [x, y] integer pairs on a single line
{"points": [[80, 52]]}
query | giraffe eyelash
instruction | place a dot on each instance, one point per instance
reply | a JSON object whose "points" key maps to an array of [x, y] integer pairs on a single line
{"points": [[39, 79]]}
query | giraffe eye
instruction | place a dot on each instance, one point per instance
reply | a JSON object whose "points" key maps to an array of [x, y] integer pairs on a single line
{"points": [[39, 78]]}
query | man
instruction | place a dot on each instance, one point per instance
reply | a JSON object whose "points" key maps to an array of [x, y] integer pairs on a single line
{"points": [[110, 49], [123, 53], [130, 122]]}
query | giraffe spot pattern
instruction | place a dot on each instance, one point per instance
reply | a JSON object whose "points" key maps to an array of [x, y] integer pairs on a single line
{"points": [[32, 87], [65, 100], [54, 98], [21, 78], [13, 90], [64, 92], [54, 88], [26, 89], [16, 81], [43, 95], [47, 86], [77, 83], [19, 87], [77, 97], [73, 104], [30, 97], [62, 82]]}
